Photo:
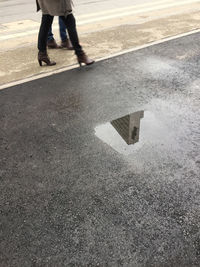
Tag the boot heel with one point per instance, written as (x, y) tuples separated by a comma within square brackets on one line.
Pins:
[(80, 63), (83, 58), (43, 57)]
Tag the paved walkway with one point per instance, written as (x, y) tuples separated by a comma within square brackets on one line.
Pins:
[(67, 198)]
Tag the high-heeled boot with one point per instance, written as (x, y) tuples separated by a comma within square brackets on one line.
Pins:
[(83, 58), (43, 57)]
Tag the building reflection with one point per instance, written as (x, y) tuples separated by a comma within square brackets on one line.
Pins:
[(128, 127)]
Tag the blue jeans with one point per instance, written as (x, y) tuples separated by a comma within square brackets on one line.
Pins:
[(62, 29)]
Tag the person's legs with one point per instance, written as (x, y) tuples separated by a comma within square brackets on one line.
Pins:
[(50, 35), (65, 41), (70, 23), (42, 40), (62, 28), (43, 32), (71, 28), (51, 42)]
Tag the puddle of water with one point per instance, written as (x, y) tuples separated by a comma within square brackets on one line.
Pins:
[(128, 127), (130, 133)]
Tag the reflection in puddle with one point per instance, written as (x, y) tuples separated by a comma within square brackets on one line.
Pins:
[(128, 127), (129, 133)]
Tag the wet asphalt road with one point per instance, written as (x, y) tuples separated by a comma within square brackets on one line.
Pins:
[(69, 199)]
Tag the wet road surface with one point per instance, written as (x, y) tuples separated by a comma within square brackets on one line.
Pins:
[(68, 197)]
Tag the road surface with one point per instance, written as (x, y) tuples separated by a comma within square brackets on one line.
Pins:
[(68, 198)]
